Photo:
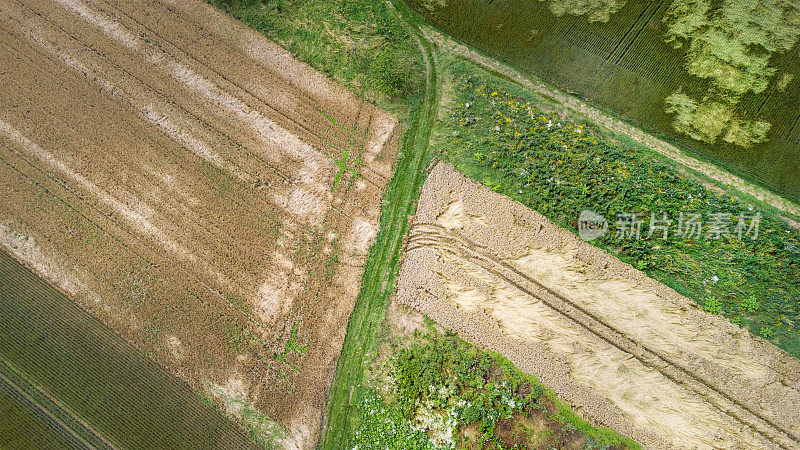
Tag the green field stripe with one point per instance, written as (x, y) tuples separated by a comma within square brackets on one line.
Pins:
[(92, 373), (382, 264), (48, 408)]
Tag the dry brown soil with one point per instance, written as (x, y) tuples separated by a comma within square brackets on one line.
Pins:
[(174, 172), (626, 351)]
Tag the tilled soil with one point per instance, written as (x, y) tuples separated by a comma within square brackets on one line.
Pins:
[(177, 174), (626, 351)]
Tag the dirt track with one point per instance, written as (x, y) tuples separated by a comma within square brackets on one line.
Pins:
[(175, 173), (628, 352)]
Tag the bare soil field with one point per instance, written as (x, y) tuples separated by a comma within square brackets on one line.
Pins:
[(625, 351), (191, 184)]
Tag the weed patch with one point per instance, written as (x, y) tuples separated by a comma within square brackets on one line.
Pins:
[(445, 393), (503, 137)]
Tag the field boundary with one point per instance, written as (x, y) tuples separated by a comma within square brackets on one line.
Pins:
[(615, 125), (382, 265)]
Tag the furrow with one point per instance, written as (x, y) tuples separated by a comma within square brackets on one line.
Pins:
[(427, 235)]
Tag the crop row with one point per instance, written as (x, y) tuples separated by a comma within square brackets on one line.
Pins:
[(108, 383)]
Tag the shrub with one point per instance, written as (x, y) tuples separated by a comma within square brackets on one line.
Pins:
[(391, 74), (712, 305), (418, 368), (383, 427), (751, 304)]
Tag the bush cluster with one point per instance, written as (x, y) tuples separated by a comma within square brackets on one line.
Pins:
[(441, 384)]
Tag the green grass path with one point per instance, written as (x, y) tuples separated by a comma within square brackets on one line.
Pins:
[(382, 264)]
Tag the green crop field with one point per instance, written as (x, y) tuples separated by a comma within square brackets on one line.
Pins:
[(626, 65), (27, 425), (68, 380)]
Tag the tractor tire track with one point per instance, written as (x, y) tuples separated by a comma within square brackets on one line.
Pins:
[(50, 410), (434, 236)]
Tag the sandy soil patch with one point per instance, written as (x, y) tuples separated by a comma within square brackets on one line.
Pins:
[(626, 351)]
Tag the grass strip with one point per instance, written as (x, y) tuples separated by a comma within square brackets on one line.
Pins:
[(383, 262)]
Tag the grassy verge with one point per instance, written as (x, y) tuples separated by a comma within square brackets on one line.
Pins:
[(517, 144), (383, 262), (361, 44)]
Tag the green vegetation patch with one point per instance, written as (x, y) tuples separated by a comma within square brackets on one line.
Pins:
[(594, 10), (744, 264), (261, 430), (359, 43), (441, 392), (730, 44), (58, 359)]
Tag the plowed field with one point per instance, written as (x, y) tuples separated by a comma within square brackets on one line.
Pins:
[(191, 184), (626, 351)]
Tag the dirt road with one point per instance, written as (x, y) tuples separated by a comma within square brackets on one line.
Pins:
[(628, 352), (190, 183)]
